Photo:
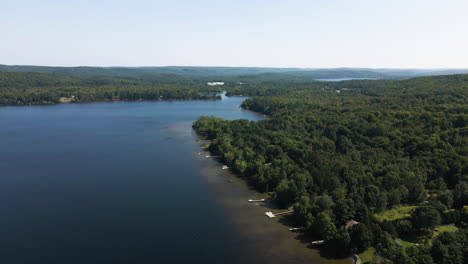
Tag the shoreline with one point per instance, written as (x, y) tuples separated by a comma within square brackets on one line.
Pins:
[(271, 237), (110, 101)]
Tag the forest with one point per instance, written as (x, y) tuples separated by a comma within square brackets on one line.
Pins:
[(377, 168), (25, 88)]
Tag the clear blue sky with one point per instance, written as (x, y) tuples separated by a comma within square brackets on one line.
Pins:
[(286, 33)]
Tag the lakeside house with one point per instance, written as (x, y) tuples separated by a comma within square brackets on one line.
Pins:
[(350, 223)]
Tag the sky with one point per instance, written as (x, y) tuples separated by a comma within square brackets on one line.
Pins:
[(259, 33)]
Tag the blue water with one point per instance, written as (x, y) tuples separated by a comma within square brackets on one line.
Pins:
[(344, 79), (110, 183)]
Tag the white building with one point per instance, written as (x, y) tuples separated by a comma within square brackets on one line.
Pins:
[(215, 83)]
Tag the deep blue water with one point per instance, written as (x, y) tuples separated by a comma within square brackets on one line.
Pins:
[(110, 183)]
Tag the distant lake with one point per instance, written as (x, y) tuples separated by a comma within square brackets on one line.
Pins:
[(124, 182), (344, 79)]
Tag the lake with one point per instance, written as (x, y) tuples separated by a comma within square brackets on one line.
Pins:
[(344, 79), (123, 183)]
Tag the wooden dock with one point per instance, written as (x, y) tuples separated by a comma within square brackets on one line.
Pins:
[(294, 229), (208, 156), (272, 215), (318, 242), (254, 201)]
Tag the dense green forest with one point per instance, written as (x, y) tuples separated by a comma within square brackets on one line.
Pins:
[(389, 154), (24, 85), (23, 88)]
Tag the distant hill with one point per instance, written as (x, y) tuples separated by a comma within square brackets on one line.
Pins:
[(139, 72), (234, 73)]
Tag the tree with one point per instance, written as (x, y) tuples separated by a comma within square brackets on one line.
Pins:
[(419, 255), (448, 248), (372, 196), (325, 202), (416, 191), (339, 243), (381, 204), (283, 193), (327, 228), (446, 198), (302, 209), (425, 217), (360, 238), (344, 211), (460, 194), (240, 166)]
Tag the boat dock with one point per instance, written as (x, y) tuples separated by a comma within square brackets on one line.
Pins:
[(272, 215), (254, 201), (318, 242), (294, 229)]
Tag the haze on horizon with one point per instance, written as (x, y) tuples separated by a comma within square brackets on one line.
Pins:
[(257, 33)]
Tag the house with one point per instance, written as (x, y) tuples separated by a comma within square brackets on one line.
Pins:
[(350, 223)]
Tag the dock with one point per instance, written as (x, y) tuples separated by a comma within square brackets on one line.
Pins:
[(318, 242), (272, 215), (294, 229), (254, 201), (208, 156)]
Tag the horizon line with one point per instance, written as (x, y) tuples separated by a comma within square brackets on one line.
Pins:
[(198, 66)]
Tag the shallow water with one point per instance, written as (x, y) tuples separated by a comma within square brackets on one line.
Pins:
[(123, 183)]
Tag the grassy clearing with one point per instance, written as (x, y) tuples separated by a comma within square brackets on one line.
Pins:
[(405, 243), (395, 213), (441, 229), (368, 255), (423, 237)]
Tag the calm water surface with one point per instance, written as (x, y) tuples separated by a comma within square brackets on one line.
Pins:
[(124, 183), (345, 79), (111, 183)]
